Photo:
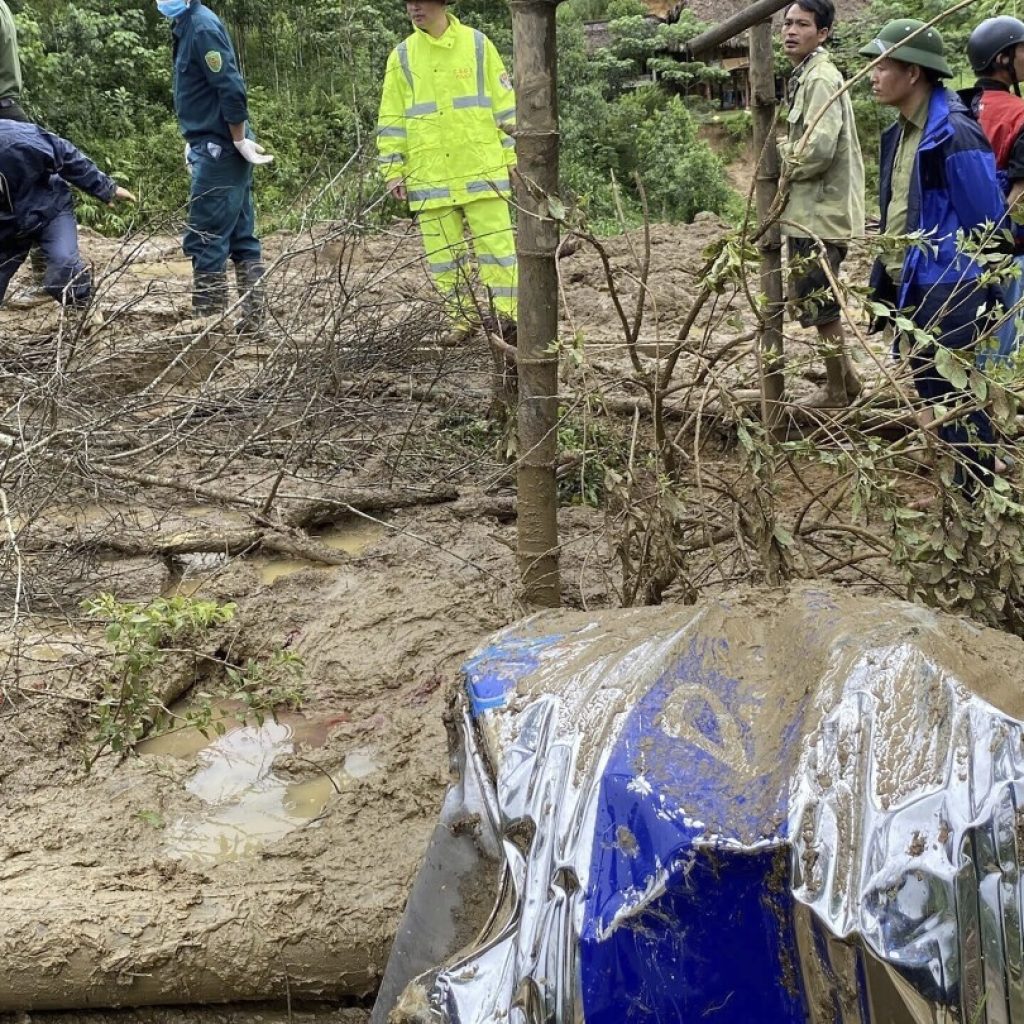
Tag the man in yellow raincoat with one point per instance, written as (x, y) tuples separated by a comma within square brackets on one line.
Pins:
[(445, 147)]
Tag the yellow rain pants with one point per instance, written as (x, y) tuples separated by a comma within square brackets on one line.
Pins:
[(446, 113), (489, 227)]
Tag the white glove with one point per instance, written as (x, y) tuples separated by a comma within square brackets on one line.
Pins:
[(253, 152), (188, 166)]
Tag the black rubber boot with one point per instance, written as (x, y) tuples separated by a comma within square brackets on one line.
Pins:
[(209, 293), (249, 279)]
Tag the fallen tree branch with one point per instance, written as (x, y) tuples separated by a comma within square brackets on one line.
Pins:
[(165, 544)]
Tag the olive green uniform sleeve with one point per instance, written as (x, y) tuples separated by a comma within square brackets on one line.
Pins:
[(10, 67), (807, 158)]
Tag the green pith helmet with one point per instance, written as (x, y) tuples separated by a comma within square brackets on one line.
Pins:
[(925, 50)]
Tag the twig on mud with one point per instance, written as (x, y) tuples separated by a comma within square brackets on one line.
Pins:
[(12, 540), (323, 771)]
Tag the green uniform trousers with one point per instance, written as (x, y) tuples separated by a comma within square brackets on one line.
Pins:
[(488, 224)]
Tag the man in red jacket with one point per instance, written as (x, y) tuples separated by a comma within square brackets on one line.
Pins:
[(996, 53)]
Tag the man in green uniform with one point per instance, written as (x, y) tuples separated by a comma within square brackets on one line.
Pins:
[(937, 176), (825, 171), (211, 102)]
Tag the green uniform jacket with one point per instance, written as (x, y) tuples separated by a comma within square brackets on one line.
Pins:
[(442, 110), (10, 68), (826, 173)]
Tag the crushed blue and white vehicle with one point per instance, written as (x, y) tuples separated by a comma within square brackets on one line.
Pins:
[(774, 806)]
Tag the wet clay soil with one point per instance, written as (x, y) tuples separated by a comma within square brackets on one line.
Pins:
[(119, 884)]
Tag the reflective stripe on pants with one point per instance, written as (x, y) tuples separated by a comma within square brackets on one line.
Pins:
[(488, 224)]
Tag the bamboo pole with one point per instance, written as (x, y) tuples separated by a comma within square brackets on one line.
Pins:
[(537, 141), (766, 151)]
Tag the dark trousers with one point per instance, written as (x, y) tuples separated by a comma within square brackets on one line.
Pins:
[(971, 436), (67, 279), (221, 213), (11, 110)]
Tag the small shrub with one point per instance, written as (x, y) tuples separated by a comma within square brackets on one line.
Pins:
[(138, 637)]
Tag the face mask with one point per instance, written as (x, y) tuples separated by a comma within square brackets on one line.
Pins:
[(171, 8)]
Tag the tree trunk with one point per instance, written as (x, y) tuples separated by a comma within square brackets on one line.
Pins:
[(732, 26), (533, 34), (762, 85)]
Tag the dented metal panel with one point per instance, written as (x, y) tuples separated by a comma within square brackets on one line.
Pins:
[(780, 806)]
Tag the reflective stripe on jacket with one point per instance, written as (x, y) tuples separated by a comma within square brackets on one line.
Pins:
[(826, 172), (34, 168), (953, 190), (442, 112)]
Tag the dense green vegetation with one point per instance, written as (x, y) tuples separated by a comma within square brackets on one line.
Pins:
[(98, 72)]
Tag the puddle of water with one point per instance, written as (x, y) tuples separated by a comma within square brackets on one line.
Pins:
[(198, 568), (185, 742), (274, 569), (248, 804), (182, 588), (353, 536), (168, 268)]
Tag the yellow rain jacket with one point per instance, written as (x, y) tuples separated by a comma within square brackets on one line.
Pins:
[(441, 116)]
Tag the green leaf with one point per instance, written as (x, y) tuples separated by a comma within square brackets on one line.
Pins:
[(556, 208), (948, 366), (782, 535)]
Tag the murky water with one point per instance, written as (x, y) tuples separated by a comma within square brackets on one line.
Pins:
[(167, 268), (352, 536), (249, 804)]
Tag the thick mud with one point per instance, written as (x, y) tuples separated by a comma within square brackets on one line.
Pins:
[(250, 1013), (273, 862)]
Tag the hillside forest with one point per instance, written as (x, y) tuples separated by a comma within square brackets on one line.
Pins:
[(98, 72)]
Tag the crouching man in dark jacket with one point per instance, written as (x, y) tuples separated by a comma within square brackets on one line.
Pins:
[(937, 175), (36, 207)]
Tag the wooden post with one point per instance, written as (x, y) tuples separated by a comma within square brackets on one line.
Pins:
[(733, 26), (766, 152), (537, 139)]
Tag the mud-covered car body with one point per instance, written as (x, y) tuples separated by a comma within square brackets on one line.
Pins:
[(773, 807)]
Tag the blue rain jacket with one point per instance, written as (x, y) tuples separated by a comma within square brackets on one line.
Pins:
[(209, 92), (35, 168), (953, 188)]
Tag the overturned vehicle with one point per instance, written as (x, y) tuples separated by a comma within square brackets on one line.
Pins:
[(771, 807)]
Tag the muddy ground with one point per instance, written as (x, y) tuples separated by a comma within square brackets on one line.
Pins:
[(171, 876)]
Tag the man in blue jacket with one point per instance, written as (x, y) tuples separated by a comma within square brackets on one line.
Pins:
[(36, 207), (937, 175), (210, 101)]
